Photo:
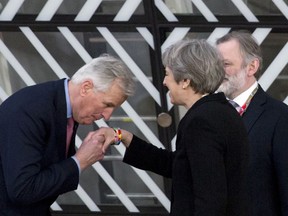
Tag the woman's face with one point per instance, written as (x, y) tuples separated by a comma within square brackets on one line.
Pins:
[(175, 89)]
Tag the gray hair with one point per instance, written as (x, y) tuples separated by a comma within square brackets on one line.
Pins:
[(249, 48), (103, 71), (197, 61)]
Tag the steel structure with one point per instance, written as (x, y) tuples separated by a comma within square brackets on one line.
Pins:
[(137, 32)]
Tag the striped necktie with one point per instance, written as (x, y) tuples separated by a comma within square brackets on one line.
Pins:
[(239, 109)]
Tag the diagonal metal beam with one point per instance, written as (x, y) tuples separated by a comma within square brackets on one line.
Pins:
[(49, 9), (286, 100), (3, 94), (217, 33), (10, 10), (88, 10), (15, 64), (146, 34), (56, 207), (260, 34), (176, 34), (165, 11), (274, 68), (149, 182), (130, 63), (209, 16), (242, 7), (127, 10), (43, 52), (282, 6)]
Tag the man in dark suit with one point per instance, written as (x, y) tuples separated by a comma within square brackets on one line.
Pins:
[(266, 121), (36, 163)]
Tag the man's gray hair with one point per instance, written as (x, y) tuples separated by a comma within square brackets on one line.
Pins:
[(197, 61), (249, 48), (103, 71)]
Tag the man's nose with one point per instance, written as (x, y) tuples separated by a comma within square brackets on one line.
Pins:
[(107, 113)]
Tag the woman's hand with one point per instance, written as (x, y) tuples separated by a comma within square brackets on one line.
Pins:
[(111, 135)]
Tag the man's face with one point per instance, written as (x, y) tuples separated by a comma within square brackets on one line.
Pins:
[(236, 75), (96, 105)]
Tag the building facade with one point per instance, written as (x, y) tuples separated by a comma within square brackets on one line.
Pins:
[(50, 39)]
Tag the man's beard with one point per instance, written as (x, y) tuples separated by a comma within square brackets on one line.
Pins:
[(232, 84)]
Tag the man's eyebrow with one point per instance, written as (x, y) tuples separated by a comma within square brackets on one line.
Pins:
[(110, 104)]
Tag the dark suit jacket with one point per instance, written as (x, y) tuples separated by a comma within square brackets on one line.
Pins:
[(33, 166), (266, 121), (208, 168)]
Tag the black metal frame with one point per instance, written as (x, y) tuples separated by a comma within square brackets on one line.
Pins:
[(155, 21), (159, 27)]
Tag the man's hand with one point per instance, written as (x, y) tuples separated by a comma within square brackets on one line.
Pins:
[(91, 150), (110, 134)]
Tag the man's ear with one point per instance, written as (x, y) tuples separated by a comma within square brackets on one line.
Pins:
[(86, 87), (253, 67)]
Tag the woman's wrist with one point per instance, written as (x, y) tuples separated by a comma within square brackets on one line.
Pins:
[(126, 138), (121, 135)]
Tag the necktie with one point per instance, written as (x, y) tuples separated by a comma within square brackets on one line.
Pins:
[(242, 109), (70, 124), (239, 109)]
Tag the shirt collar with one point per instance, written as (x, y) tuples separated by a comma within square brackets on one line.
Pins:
[(242, 98), (69, 108)]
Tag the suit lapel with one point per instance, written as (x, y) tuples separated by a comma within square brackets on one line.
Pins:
[(255, 109), (60, 118)]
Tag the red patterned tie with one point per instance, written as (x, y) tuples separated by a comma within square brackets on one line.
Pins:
[(70, 124), (239, 109), (242, 109)]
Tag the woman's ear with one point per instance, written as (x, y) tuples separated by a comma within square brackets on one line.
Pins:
[(186, 83)]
